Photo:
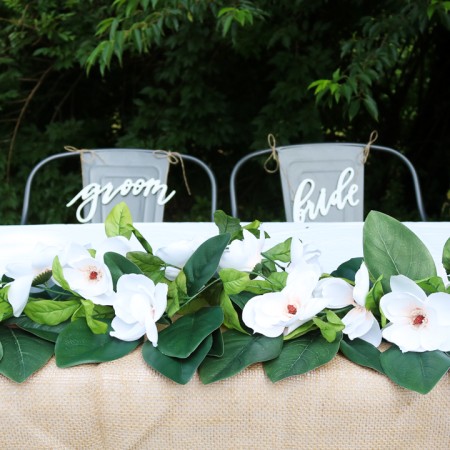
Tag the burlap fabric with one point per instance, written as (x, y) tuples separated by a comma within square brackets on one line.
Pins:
[(126, 405)]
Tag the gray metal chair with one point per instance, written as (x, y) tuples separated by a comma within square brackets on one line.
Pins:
[(109, 175), (323, 182)]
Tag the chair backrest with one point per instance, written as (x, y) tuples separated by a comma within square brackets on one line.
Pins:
[(109, 175), (323, 182)]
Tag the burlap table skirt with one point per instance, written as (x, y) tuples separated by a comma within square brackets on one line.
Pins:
[(127, 405)]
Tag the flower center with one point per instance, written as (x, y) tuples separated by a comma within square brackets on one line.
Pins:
[(93, 275), (418, 318), (291, 309)]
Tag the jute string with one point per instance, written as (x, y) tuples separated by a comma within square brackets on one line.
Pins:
[(372, 138), (273, 155), (174, 158)]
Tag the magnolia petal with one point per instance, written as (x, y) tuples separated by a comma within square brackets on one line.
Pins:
[(116, 244), (125, 331), (397, 306), (177, 253), (406, 337), (440, 302), (357, 322), (18, 293), (373, 336), (432, 337), (337, 292), (400, 283), (160, 300), (362, 285), (151, 331)]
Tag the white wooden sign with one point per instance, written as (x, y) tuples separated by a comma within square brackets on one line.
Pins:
[(344, 194), (91, 194)]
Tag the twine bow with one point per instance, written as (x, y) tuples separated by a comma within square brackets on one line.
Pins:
[(174, 158), (273, 155), (372, 138)]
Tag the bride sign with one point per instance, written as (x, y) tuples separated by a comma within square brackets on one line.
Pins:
[(93, 192), (344, 195)]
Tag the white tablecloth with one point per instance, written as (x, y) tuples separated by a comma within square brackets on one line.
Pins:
[(337, 242)]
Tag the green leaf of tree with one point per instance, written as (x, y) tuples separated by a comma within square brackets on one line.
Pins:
[(23, 353), (202, 265), (390, 248), (49, 333), (417, 371), (240, 351), (180, 370), (180, 339), (77, 345), (446, 256), (301, 356)]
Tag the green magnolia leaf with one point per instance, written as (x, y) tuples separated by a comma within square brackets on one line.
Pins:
[(374, 296), (432, 284), (301, 355), (145, 245), (76, 344), (390, 248), (49, 333), (446, 256), (177, 369), (58, 274), (181, 338), (281, 252), (23, 353), (118, 265), (231, 317), (202, 265), (227, 224), (1, 351), (417, 371), (233, 280), (348, 269), (50, 312), (301, 330), (119, 221), (217, 347), (88, 310), (149, 264), (362, 353), (240, 351)]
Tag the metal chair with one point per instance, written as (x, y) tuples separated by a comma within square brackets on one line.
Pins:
[(324, 182), (109, 175)]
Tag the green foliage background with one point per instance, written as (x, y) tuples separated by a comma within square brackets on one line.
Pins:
[(213, 79)]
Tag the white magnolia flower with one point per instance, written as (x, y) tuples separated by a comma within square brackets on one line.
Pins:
[(417, 323), (139, 304), (277, 313), (359, 322), (24, 272), (303, 257), (89, 276), (243, 255), (177, 254)]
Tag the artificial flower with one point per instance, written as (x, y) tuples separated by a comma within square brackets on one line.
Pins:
[(24, 272), (277, 313), (176, 254), (417, 323), (139, 304), (303, 257), (359, 322), (243, 255)]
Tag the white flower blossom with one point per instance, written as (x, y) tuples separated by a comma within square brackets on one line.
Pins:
[(139, 304), (359, 322), (24, 272), (243, 255), (277, 313), (176, 254), (417, 323)]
